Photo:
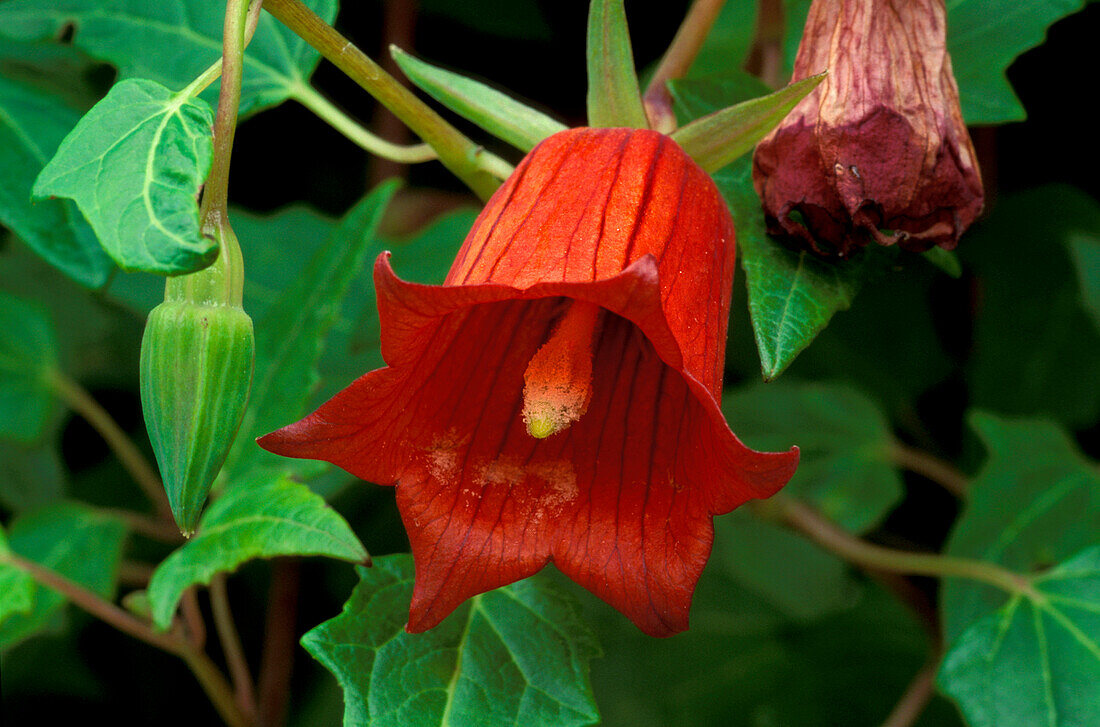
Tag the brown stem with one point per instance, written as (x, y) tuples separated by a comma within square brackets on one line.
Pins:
[(766, 55), (398, 28), (927, 465), (231, 646), (160, 530), (917, 695), (79, 400), (212, 681), (280, 641), (134, 574), (192, 618), (676, 62), (458, 154)]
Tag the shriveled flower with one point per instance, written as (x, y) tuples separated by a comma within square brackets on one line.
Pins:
[(556, 399), (879, 150)]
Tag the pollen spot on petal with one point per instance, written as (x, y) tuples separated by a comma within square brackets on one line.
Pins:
[(505, 470), (558, 381)]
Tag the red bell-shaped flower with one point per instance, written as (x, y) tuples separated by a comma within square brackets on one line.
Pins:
[(556, 399)]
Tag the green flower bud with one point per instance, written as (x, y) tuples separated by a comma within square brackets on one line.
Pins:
[(196, 371)]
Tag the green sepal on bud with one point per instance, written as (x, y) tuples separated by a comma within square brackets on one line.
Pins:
[(196, 371)]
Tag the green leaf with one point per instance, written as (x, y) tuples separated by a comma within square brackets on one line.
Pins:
[(501, 115), (16, 587), (172, 41), (728, 43), (1035, 662), (792, 293), (514, 656), (742, 664), (73, 540), (613, 95), (845, 468), (1085, 249), (720, 137), (945, 260), (795, 577), (134, 165), (60, 71), (1035, 502), (1036, 350), (291, 336), (983, 38), (28, 354), (32, 124), (265, 516), (30, 476)]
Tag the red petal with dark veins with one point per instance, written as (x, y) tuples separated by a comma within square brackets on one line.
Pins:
[(621, 500)]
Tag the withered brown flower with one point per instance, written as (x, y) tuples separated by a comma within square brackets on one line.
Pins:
[(879, 150)]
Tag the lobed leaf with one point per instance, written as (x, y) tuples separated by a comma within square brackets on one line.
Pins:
[(514, 656), (1034, 662), (1035, 502), (1085, 250), (61, 537), (172, 41), (845, 468), (265, 516), (32, 124), (134, 165), (501, 115), (614, 98), (1035, 348), (291, 335), (28, 354)]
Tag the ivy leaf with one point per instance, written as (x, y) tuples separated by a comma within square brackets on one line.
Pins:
[(1085, 249), (32, 124), (845, 468), (792, 293), (291, 336), (983, 38), (1035, 502), (614, 98), (30, 476), (1035, 662), (172, 41), (1030, 329), (795, 577), (134, 165), (514, 656), (265, 516), (62, 537), (728, 43), (498, 113), (28, 354), (16, 587)]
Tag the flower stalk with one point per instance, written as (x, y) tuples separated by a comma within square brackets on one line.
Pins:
[(458, 153)]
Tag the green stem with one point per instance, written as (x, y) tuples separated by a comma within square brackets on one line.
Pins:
[(827, 534), (212, 680), (456, 152), (362, 138), (676, 62), (79, 400), (231, 646), (939, 471), (214, 71), (215, 191)]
